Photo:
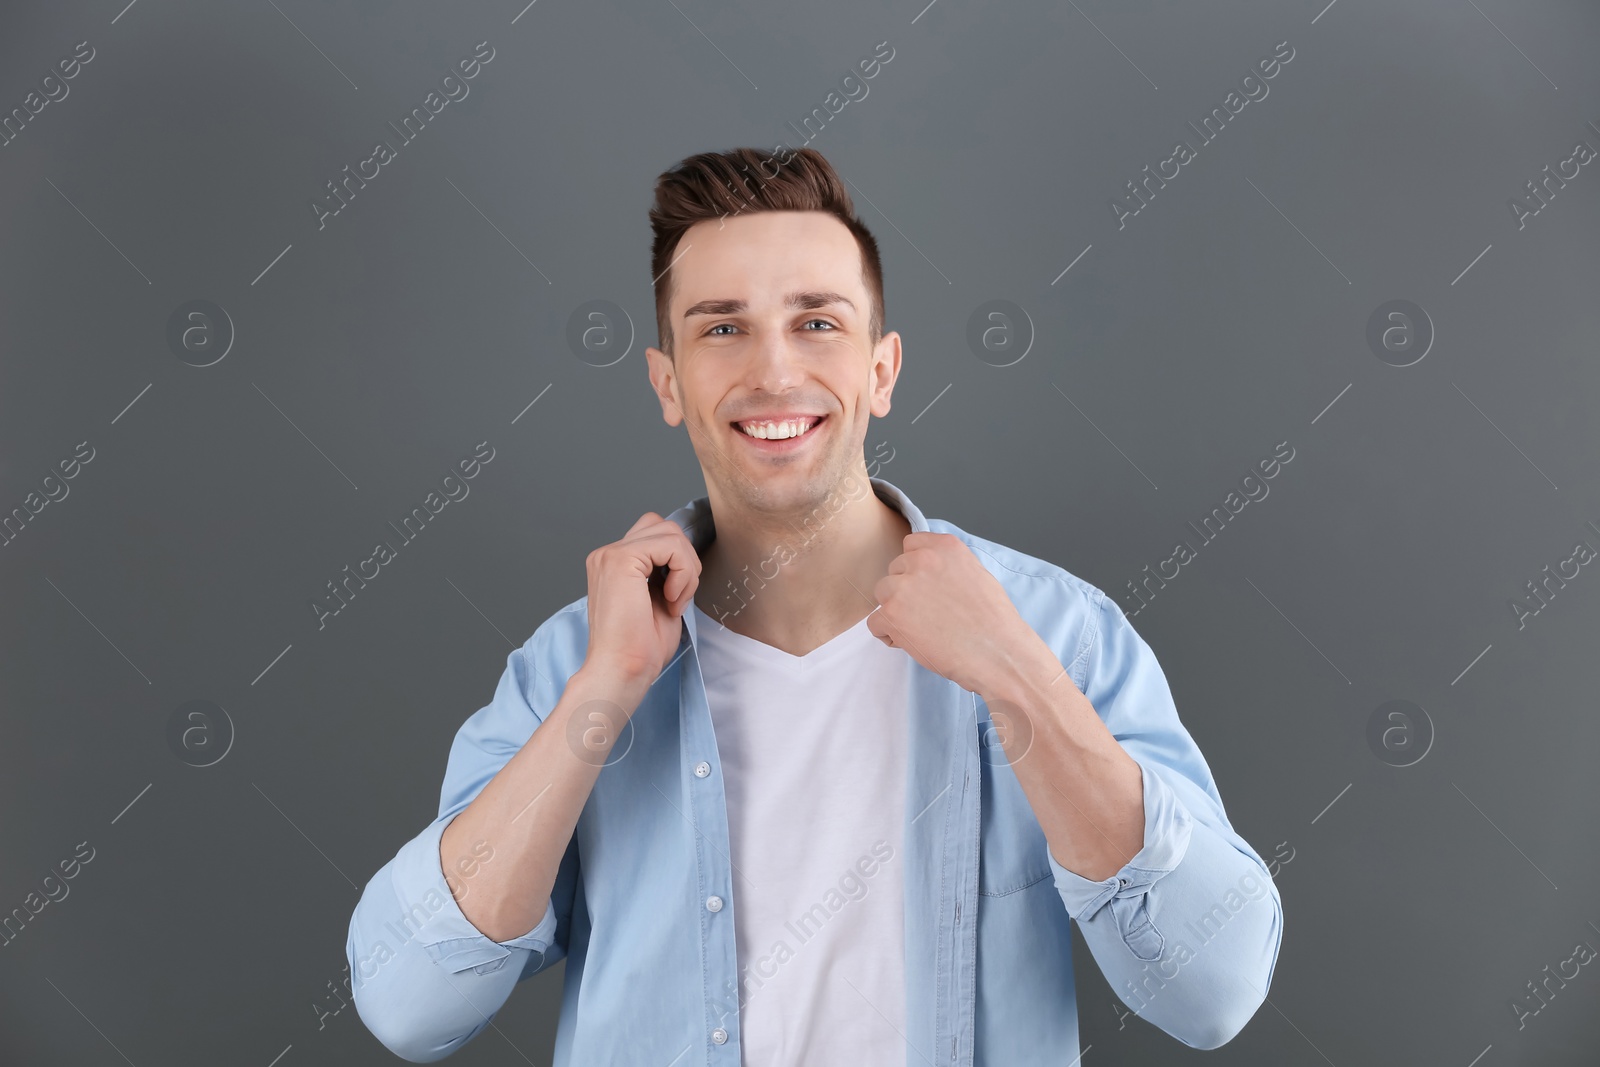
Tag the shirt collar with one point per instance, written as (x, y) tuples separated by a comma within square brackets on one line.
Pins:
[(695, 516), (695, 519)]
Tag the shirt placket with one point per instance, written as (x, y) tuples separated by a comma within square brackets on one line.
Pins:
[(700, 773)]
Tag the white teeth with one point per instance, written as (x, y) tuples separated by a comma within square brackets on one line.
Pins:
[(777, 431)]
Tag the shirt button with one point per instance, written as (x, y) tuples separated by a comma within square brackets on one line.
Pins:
[(1122, 882), (719, 1035), (702, 769), (713, 903)]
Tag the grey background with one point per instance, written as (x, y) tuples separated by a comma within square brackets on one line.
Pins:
[(1227, 316)]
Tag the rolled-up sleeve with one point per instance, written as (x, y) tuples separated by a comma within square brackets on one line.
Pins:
[(425, 980), (1187, 932)]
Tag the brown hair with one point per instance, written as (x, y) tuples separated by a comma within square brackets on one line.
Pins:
[(703, 187)]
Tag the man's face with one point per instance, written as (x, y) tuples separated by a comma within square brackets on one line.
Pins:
[(770, 320)]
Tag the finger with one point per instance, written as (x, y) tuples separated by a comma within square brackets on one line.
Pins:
[(875, 623), (663, 543), (671, 549), (690, 581), (674, 588), (649, 518)]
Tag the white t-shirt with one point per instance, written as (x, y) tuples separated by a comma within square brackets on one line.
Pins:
[(813, 753)]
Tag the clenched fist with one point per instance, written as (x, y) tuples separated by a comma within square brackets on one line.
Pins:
[(636, 614)]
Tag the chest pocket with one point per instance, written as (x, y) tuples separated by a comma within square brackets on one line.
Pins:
[(1012, 848)]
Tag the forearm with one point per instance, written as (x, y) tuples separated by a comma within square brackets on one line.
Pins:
[(1177, 908), (1084, 788), (527, 812)]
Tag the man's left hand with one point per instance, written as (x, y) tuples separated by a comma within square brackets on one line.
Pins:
[(944, 609)]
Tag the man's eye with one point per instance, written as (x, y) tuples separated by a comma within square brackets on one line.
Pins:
[(713, 331)]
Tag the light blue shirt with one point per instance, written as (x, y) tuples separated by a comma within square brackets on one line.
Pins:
[(1187, 933)]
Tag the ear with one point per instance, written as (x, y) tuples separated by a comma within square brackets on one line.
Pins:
[(663, 379), (883, 372)]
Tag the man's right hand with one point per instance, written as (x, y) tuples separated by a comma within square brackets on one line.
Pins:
[(635, 623), (636, 618)]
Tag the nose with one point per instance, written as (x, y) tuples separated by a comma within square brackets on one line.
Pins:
[(775, 366)]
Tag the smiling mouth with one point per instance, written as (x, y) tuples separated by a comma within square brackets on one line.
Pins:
[(779, 431)]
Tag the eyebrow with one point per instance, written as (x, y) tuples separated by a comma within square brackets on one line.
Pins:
[(807, 300)]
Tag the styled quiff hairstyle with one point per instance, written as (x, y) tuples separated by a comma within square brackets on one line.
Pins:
[(711, 185)]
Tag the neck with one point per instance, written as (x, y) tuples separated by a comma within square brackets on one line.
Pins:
[(796, 579)]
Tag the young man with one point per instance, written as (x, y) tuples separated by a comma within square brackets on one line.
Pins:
[(807, 777)]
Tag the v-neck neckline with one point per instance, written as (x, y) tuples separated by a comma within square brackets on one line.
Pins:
[(829, 649)]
